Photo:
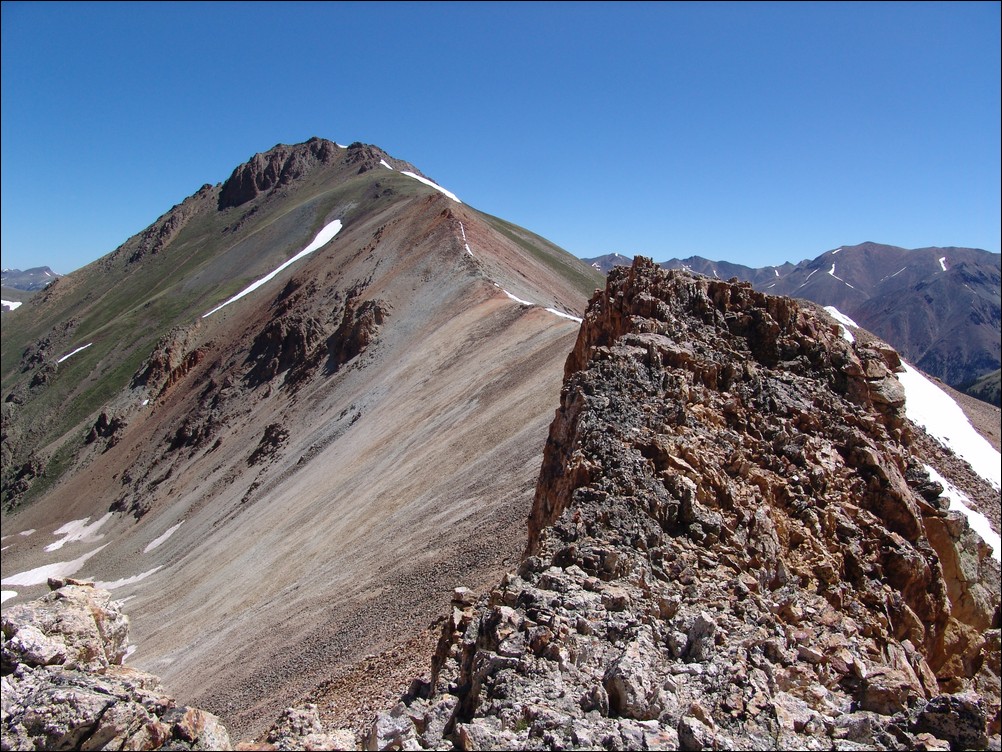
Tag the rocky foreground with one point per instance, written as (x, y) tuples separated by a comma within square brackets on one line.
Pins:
[(65, 686), (734, 544)]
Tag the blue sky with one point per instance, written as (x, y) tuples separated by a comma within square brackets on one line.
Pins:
[(754, 133)]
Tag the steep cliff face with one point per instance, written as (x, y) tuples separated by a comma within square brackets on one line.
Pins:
[(733, 545)]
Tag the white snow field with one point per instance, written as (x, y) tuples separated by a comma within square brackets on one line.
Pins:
[(930, 407), (158, 541), (40, 575), (78, 530), (844, 321), (978, 522)]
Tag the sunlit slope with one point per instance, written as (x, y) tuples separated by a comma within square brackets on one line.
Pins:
[(318, 462), (190, 260)]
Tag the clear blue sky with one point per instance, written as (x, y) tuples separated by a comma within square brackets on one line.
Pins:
[(755, 133)]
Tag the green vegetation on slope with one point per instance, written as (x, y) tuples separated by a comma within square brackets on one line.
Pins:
[(987, 388)]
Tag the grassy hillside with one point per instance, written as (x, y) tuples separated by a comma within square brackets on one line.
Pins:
[(987, 388)]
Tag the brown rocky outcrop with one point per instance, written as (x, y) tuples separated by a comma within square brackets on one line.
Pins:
[(732, 546), (359, 326), (277, 167), (65, 687), (172, 358)]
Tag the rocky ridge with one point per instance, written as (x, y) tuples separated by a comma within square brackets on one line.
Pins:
[(734, 544)]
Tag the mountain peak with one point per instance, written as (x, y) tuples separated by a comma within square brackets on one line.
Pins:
[(284, 164), (278, 166)]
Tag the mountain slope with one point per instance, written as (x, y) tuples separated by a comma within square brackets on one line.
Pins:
[(298, 480)]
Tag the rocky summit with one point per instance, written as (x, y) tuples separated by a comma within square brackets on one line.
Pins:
[(734, 544)]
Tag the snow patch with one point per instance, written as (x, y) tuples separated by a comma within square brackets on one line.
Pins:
[(832, 273), (27, 532), (517, 300), (428, 182), (565, 315), (942, 263), (10, 305), (6, 595), (40, 575), (71, 354), (529, 303), (895, 273), (840, 317), (125, 580), (959, 501), (465, 244), (323, 238), (77, 530), (385, 164), (145, 402), (836, 251), (776, 272), (158, 541), (929, 406), (843, 322), (129, 650)]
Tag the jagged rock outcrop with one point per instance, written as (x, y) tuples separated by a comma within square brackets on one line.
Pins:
[(172, 358), (732, 546), (106, 428), (279, 166), (300, 728), (65, 687), (359, 326)]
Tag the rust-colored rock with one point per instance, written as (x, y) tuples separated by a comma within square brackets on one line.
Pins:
[(733, 545)]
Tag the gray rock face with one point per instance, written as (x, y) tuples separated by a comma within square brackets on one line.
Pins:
[(728, 550), (64, 685)]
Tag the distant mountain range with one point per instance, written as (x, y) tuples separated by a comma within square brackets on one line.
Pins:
[(18, 286), (29, 280), (938, 306)]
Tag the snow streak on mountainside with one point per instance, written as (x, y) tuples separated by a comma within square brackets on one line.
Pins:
[(323, 238)]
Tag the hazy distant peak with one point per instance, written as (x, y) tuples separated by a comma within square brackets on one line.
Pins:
[(35, 278)]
